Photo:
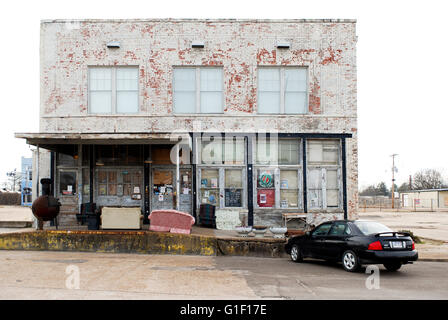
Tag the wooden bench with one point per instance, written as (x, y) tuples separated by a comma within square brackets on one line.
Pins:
[(171, 221)]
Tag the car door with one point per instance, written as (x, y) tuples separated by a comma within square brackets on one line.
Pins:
[(316, 241), (336, 240)]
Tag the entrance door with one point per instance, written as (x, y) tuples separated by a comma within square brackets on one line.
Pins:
[(163, 189)]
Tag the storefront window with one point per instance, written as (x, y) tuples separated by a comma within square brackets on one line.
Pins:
[(210, 186), (323, 152), (288, 152), (234, 150), (211, 152), (266, 152), (233, 188), (67, 182), (265, 188), (289, 189), (324, 179), (332, 188)]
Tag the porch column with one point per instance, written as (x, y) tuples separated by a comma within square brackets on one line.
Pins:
[(177, 178)]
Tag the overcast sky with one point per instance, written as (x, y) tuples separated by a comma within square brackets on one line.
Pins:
[(402, 70)]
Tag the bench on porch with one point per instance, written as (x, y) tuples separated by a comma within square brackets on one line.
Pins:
[(121, 218), (171, 221)]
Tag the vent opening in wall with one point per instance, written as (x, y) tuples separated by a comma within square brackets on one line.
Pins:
[(113, 44), (283, 45), (198, 44)]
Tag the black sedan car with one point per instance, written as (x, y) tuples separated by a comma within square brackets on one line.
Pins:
[(354, 243)]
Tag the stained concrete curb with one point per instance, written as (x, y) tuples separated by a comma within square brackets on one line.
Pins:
[(141, 242)]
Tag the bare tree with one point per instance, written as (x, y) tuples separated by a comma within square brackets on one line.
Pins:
[(427, 179)]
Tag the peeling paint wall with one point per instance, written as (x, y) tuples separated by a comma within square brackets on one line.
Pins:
[(326, 47)]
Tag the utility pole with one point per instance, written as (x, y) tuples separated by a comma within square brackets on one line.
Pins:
[(393, 179)]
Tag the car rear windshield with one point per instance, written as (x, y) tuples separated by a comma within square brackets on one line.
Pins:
[(371, 227)]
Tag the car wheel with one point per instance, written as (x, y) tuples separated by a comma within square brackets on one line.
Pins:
[(393, 266), (350, 261), (296, 254)]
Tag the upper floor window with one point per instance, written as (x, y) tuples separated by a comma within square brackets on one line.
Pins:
[(198, 90), (113, 90), (282, 90)]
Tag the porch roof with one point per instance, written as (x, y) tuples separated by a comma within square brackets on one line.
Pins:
[(47, 139)]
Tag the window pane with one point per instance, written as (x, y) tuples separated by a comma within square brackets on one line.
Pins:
[(332, 198), (127, 79), (269, 90), (234, 150), (100, 101), (332, 179), (184, 102), (210, 186), (127, 101), (269, 79), (211, 102), (315, 179), (288, 179), (212, 151), (209, 178), (211, 79), (233, 178), (295, 102), (67, 184), (266, 151), (289, 199), (184, 90), (288, 152), (100, 79), (269, 102), (323, 152), (184, 79), (315, 188), (295, 79)]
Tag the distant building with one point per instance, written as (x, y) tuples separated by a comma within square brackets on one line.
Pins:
[(27, 180), (430, 198)]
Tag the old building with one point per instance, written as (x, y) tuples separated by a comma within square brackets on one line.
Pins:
[(258, 115)]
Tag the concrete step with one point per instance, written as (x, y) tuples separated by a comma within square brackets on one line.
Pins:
[(16, 224)]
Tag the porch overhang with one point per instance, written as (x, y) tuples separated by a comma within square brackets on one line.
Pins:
[(51, 140)]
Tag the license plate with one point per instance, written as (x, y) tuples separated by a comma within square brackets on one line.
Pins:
[(396, 244)]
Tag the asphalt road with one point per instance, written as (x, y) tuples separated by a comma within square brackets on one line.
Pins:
[(54, 275)]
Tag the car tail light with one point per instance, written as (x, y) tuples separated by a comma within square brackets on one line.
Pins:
[(413, 245), (375, 246)]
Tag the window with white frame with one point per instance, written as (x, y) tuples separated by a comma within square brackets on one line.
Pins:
[(113, 90), (282, 90), (222, 171), (198, 90), (278, 173), (323, 174)]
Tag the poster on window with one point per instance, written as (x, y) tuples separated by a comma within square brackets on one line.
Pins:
[(266, 179), (266, 198)]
